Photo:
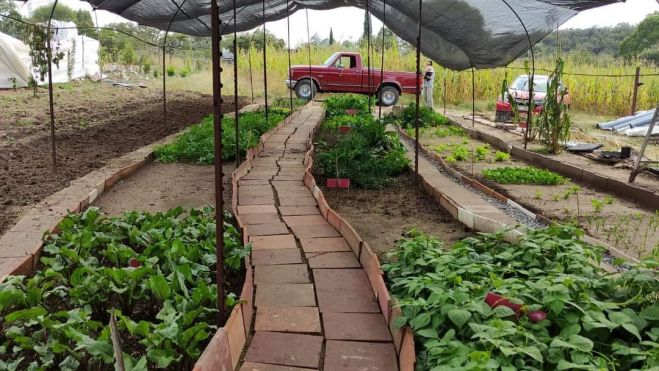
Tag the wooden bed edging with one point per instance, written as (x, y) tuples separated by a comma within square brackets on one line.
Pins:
[(403, 337), (644, 197), (482, 224)]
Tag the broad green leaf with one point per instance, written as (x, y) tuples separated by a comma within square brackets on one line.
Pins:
[(69, 363), (581, 343), (619, 318), (426, 332), (532, 352), (420, 321), (651, 313), (565, 365), (459, 316), (159, 287), (632, 329), (23, 314)]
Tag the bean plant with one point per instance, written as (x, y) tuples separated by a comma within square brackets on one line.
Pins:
[(594, 320), (155, 272)]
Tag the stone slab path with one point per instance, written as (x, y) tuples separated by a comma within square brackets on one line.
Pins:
[(315, 309)]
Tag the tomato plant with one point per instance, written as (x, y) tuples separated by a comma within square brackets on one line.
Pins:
[(594, 320), (154, 271)]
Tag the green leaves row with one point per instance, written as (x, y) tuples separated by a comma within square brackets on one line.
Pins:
[(595, 321), (196, 144), (523, 175), (156, 271)]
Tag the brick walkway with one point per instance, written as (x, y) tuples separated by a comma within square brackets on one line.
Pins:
[(315, 309)]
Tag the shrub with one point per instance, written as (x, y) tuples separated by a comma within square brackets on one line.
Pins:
[(460, 153), (501, 156), (594, 320), (523, 175), (407, 117), (482, 151), (171, 71), (197, 144), (146, 68), (336, 105), (155, 272), (184, 71), (368, 155)]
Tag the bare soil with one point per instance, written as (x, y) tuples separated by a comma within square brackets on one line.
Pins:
[(160, 187), (622, 223), (381, 217), (95, 123)]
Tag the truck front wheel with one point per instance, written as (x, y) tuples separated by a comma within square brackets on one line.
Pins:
[(305, 89), (388, 96)]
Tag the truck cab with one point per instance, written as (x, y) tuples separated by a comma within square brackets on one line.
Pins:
[(343, 72)]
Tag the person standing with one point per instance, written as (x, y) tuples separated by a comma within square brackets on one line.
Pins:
[(428, 83)]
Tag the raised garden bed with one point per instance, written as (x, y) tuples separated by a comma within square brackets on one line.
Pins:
[(593, 320)]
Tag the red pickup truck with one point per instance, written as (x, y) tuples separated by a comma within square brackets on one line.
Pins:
[(343, 72)]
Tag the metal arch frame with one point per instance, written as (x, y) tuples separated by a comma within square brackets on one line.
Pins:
[(51, 103), (265, 70), (368, 53), (529, 113), (417, 119), (235, 86), (311, 82), (288, 46)]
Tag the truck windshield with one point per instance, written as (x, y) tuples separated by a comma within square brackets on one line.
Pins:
[(329, 60), (539, 83)]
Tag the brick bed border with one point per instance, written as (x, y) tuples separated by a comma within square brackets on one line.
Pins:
[(483, 224)]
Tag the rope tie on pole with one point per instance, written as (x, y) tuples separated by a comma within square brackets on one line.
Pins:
[(368, 53)]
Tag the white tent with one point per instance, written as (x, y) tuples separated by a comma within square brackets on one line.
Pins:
[(14, 62), (80, 58)]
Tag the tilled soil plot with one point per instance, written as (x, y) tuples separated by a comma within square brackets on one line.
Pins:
[(93, 127), (381, 217)]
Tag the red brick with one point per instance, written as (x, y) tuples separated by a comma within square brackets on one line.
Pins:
[(287, 273), (356, 326), (285, 349), (396, 332), (288, 319), (217, 355), (304, 220), (251, 366), (246, 200), (253, 219), (354, 355), (334, 219), (327, 260), (344, 290), (407, 356), (277, 228), (289, 294), (324, 244), (276, 257), (311, 231), (298, 210), (235, 334), (306, 200), (286, 241), (354, 241), (15, 266), (247, 296), (257, 209)]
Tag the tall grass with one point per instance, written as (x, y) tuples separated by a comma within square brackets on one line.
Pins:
[(590, 94)]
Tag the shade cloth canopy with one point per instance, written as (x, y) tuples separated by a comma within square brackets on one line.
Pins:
[(458, 34)]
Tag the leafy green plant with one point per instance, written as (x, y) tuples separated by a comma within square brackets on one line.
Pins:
[(407, 117), (171, 71), (184, 71), (460, 152), (501, 156), (523, 175), (336, 105), (196, 144), (482, 151), (446, 131), (154, 271), (367, 154), (593, 320), (538, 194)]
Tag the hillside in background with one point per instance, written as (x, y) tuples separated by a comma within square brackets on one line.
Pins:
[(594, 40)]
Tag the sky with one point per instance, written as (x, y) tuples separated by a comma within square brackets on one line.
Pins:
[(347, 23)]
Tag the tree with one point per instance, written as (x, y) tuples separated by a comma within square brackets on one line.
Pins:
[(367, 25), (331, 37), (644, 38), (9, 26), (81, 18)]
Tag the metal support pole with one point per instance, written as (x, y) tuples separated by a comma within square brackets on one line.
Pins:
[(444, 93), (306, 10), (164, 83), (368, 54), (529, 114), (219, 191), (288, 32), (235, 83), (249, 58), (265, 70), (51, 103), (637, 83), (98, 34), (418, 95), (473, 98), (384, 19)]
